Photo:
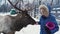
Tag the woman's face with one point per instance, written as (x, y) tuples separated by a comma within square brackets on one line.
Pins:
[(44, 12)]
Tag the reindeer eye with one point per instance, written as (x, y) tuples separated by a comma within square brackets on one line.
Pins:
[(25, 16), (20, 15)]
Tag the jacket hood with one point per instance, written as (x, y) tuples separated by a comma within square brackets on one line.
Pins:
[(47, 7)]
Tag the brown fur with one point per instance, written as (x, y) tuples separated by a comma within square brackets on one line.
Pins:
[(20, 21)]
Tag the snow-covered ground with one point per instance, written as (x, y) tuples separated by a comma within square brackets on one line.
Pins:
[(8, 13), (32, 29)]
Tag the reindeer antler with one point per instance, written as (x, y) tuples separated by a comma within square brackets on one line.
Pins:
[(15, 5), (26, 8), (29, 6)]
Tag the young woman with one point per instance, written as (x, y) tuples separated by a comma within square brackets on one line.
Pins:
[(47, 21)]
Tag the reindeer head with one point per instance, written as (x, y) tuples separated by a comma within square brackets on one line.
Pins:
[(22, 18)]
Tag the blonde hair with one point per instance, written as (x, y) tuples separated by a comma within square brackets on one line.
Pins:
[(44, 7)]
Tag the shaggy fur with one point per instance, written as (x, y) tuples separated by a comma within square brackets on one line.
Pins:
[(10, 24), (5, 23)]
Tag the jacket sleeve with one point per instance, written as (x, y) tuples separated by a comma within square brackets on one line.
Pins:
[(56, 25), (40, 21)]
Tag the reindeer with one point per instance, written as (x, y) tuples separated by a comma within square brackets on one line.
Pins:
[(11, 24)]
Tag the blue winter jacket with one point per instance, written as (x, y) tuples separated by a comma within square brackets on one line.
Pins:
[(44, 20)]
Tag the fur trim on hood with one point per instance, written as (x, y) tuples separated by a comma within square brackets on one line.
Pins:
[(47, 7)]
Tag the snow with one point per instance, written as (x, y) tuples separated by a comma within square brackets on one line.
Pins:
[(32, 29), (8, 13)]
